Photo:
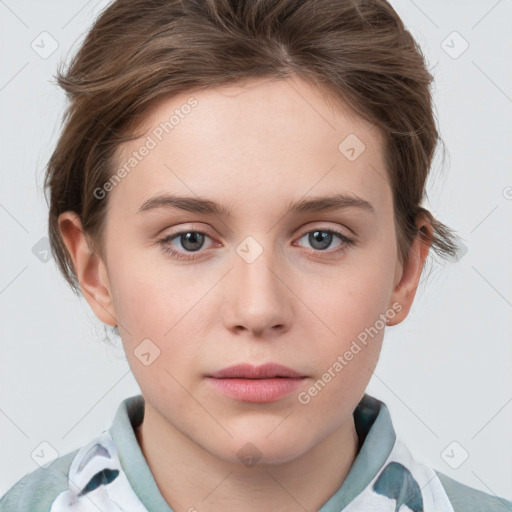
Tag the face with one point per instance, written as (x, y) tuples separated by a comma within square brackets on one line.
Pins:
[(260, 279)]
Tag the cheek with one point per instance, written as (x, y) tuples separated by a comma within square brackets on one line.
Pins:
[(353, 297), (163, 306), (345, 370), (352, 308), (144, 300), (348, 344)]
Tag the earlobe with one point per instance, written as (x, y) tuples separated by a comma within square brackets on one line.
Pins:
[(405, 290), (89, 268)]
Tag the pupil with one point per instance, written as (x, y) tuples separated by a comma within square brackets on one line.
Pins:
[(192, 241), (317, 237)]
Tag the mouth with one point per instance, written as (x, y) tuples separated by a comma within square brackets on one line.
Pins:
[(248, 371), (258, 384)]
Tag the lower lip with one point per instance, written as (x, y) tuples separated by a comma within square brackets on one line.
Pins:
[(256, 390)]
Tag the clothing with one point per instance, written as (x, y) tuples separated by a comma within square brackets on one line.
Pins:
[(111, 474)]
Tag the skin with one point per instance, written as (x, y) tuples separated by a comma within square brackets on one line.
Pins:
[(255, 147)]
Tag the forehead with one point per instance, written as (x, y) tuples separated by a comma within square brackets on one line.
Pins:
[(257, 135), (259, 107)]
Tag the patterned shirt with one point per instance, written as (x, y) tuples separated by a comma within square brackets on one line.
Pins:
[(111, 474)]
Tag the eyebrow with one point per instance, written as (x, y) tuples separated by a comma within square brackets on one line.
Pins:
[(206, 206)]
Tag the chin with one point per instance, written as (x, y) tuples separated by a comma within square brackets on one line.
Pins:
[(261, 450)]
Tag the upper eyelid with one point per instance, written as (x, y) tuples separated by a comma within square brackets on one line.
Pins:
[(326, 228)]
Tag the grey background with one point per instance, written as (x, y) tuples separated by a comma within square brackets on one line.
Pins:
[(444, 373)]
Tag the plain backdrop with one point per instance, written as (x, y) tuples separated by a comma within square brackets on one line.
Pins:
[(445, 373)]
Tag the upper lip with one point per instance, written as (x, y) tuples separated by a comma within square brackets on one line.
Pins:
[(249, 371)]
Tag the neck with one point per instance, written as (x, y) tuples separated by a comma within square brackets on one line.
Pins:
[(189, 477)]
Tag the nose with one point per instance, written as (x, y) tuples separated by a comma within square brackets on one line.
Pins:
[(257, 298)]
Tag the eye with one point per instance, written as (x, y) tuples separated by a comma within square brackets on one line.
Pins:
[(320, 239), (191, 240)]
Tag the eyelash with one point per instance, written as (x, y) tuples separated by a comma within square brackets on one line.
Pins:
[(179, 255)]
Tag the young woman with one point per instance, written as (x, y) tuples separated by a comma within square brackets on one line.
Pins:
[(237, 191)]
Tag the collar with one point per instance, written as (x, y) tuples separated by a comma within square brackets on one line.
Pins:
[(373, 425), (376, 439)]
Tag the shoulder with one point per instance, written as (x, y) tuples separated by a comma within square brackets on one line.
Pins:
[(37, 490), (84, 478), (467, 499)]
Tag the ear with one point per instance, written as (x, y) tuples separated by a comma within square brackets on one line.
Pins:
[(408, 273), (89, 268)]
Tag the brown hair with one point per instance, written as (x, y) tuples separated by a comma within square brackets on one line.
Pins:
[(140, 51)]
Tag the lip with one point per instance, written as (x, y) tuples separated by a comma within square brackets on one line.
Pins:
[(258, 384), (248, 371)]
